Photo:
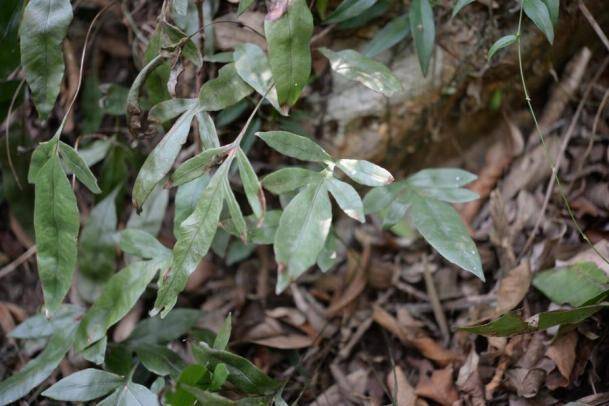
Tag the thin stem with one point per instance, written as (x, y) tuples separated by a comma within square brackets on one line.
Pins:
[(546, 152)]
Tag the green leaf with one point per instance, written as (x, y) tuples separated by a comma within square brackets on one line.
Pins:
[(161, 159), (38, 326), (253, 66), (578, 284), (205, 397), (194, 237), (347, 198), (332, 253), (219, 377), (38, 369), (349, 9), (170, 109), (131, 394), (391, 34), (554, 9), (198, 165), (40, 157), (355, 66), (223, 336), (251, 185), (244, 5), (160, 360), (288, 179), (141, 244), (84, 385), (186, 199), (381, 197), (97, 254), (444, 230), (512, 324), (364, 172), (188, 48), (155, 330), (294, 146), (302, 232), (207, 131), (450, 195), (459, 4), (538, 12), (441, 178), (56, 223), (225, 90), (153, 211), (95, 152), (288, 38), (114, 99), (234, 210), (423, 31), (242, 373), (258, 233), (43, 29), (97, 352), (118, 297), (501, 43)]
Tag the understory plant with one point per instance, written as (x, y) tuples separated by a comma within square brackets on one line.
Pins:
[(220, 201)]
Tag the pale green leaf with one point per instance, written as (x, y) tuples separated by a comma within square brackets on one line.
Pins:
[(131, 394), (141, 244), (223, 336), (450, 195), (391, 34), (554, 9), (348, 9), (459, 4), (160, 360), (501, 43), (78, 167), (355, 66), (423, 31), (251, 185), (538, 12), (176, 36), (443, 229), (302, 232), (441, 178), (578, 284), (95, 152), (347, 198), (170, 109), (253, 66), (198, 165), (258, 233), (381, 197), (288, 179), (332, 253), (84, 385), (40, 157), (38, 326), (207, 131), (186, 199), (97, 352), (194, 237), (234, 210), (242, 373), (97, 254), (118, 297), (289, 50), (38, 369), (152, 214), (56, 223), (205, 397), (42, 31), (224, 91), (219, 376), (161, 159), (155, 330), (364, 172), (294, 146)]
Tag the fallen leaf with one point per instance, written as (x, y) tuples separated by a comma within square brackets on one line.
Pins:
[(513, 287), (469, 382), (527, 382), (439, 387), (562, 352), (286, 342), (402, 393)]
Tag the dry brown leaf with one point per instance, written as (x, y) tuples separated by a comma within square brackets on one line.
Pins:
[(288, 314), (562, 352), (469, 382), (286, 342), (401, 391), (590, 256), (513, 287), (332, 396), (439, 387), (527, 382)]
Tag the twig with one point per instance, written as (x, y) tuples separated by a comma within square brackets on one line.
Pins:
[(8, 131), (599, 31), (435, 303), (17, 262)]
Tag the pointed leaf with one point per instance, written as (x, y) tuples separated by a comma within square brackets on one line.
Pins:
[(56, 223), (233, 208), (444, 230), (450, 195), (118, 297), (84, 385), (381, 197), (288, 40), (423, 31), (38, 369), (78, 167), (43, 29), (364, 172), (170, 109), (441, 178), (186, 199), (223, 336), (38, 326), (97, 352), (391, 34), (349, 9), (161, 159), (152, 214), (194, 238), (207, 131), (251, 184), (253, 66), (355, 66), (294, 146), (131, 394), (302, 232), (288, 179), (347, 198), (197, 165), (40, 157), (501, 43), (141, 244), (225, 90), (160, 360), (155, 330), (538, 12), (554, 9), (459, 4)]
